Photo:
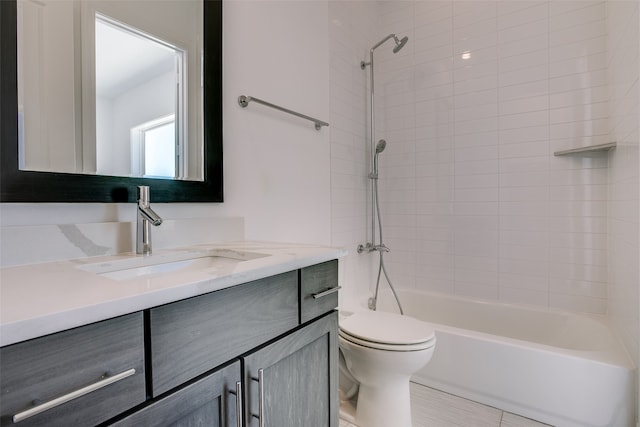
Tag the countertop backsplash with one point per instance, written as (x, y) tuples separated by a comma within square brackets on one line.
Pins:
[(33, 244)]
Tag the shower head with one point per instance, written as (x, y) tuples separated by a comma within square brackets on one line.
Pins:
[(380, 146), (400, 43)]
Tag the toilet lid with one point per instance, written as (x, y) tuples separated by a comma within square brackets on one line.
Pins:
[(386, 328)]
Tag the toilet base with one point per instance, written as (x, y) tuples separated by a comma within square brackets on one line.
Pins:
[(385, 406), (348, 411)]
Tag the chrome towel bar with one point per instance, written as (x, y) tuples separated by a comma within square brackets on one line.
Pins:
[(245, 100)]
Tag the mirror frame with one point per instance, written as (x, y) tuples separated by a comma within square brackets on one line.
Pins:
[(31, 186)]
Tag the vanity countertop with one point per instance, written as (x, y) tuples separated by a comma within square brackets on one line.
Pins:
[(41, 299)]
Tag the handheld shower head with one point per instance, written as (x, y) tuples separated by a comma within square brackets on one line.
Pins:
[(380, 146), (400, 43)]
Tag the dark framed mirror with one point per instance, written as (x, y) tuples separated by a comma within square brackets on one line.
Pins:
[(33, 186)]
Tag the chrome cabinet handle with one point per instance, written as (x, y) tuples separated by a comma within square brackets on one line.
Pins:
[(21, 416), (327, 292), (238, 394), (261, 397), (260, 381)]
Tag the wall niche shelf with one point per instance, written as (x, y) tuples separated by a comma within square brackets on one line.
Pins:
[(588, 149)]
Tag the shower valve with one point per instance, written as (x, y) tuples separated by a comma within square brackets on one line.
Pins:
[(365, 248), (370, 247)]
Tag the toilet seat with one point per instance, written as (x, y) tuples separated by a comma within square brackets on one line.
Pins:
[(387, 347), (386, 331)]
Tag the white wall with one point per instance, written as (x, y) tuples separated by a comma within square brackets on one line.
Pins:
[(279, 164), (276, 166), (116, 117)]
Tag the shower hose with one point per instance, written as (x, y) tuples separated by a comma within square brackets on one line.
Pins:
[(373, 302)]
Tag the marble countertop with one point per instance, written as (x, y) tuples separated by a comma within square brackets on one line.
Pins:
[(41, 299)]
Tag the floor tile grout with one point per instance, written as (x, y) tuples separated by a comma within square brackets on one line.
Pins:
[(432, 407)]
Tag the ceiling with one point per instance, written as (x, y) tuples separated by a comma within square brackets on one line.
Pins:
[(125, 59)]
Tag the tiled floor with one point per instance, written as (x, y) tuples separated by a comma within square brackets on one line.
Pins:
[(433, 408)]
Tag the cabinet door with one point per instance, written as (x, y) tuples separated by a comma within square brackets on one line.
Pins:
[(295, 378), (210, 401)]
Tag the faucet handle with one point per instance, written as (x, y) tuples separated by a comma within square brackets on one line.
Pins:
[(143, 194), (145, 217)]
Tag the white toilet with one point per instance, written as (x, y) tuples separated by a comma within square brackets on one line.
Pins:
[(380, 351)]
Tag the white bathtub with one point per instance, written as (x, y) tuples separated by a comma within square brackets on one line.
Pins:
[(559, 368)]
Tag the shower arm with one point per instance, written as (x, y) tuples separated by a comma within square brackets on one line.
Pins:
[(377, 45)]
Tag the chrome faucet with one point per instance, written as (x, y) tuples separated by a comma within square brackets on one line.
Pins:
[(146, 217)]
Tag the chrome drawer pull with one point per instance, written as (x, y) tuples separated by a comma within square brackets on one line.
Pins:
[(327, 292), (238, 394), (261, 397), (260, 380), (21, 416)]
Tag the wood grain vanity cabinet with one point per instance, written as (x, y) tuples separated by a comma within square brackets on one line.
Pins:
[(190, 337), (293, 381), (207, 401), (263, 354), (40, 374)]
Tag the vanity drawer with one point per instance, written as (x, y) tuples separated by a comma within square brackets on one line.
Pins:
[(84, 375), (318, 290), (193, 336)]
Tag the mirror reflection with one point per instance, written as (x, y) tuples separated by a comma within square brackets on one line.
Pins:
[(110, 87)]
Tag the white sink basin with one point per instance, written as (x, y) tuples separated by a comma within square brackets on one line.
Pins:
[(169, 262)]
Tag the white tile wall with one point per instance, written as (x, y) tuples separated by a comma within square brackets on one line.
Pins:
[(474, 201), (623, 49), (350, 31)]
